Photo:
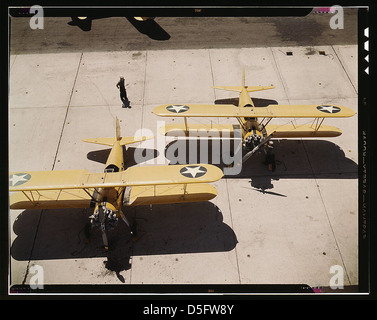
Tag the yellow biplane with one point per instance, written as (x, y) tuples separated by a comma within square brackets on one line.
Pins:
[(116, 187), (254, 122)]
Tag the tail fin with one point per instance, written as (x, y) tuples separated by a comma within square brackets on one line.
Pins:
[(117, 129), (122, 140), (244, 86)]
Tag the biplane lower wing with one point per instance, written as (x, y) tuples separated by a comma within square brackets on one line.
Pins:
[(51, 199), (215, 130), (70, 188), (302, 131), (271, 111), (175, 193), (227, 130)]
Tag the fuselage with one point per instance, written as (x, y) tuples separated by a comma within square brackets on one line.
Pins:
[(112, 198), (250, 125)]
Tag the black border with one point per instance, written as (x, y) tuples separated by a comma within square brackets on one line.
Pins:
[(365, 258)]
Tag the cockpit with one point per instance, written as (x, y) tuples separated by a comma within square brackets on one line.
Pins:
[(111, 168)]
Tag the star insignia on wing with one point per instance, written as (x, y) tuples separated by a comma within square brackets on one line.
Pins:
[(18, 178), (193, 171), (328, 109), (177, 108)]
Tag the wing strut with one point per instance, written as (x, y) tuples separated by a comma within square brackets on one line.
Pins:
[(186, 125), (317, 124), (31, 200)]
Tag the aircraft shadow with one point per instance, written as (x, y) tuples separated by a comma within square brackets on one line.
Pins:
[(295, 159), (258, 102), (149, 27), (101, 156), (162, 229)]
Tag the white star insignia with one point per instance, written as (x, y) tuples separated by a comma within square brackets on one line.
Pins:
[(193, 171), (177, 108), (328, 109), (18, 178)]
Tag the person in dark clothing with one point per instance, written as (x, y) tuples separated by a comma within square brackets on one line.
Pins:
[(123, 93), (270, 157)]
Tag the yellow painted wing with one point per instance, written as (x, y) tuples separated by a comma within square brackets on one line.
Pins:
[(134, 176), (198, 129), (174, 174), (302, 131), (51, 199), (271, 111), (304, 111), (175, 193), (47, 180), (196, 110), (68, 188)]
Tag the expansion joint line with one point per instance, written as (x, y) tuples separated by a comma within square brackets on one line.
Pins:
[(66, 113), (327, 214), (213, 78), (32, 249), (344, 69), (231, 220), (144, 89)]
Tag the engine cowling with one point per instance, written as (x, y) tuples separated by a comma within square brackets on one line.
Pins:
[(104, 214)]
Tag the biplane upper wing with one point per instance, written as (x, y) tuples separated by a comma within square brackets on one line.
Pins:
[(271, 111), (173, 174), (73, 188), (305, 111), (133, 176)]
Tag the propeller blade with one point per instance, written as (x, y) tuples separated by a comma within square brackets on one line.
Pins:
[(101, 214), (263, 142), (104, 237)]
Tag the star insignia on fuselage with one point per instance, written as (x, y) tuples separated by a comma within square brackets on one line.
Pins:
[(18, 178), (177, 108), (328, 109), (193, 171)]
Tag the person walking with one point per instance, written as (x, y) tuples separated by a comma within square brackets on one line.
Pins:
[(123, 94)]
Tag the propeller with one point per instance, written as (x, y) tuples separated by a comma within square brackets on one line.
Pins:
[(102, 219), (263, 142)]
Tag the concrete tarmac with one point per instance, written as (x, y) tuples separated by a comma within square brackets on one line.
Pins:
[(290, 226)]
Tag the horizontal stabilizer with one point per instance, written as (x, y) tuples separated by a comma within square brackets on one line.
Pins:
[(239, 88), (123, 141), (128, 140)]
